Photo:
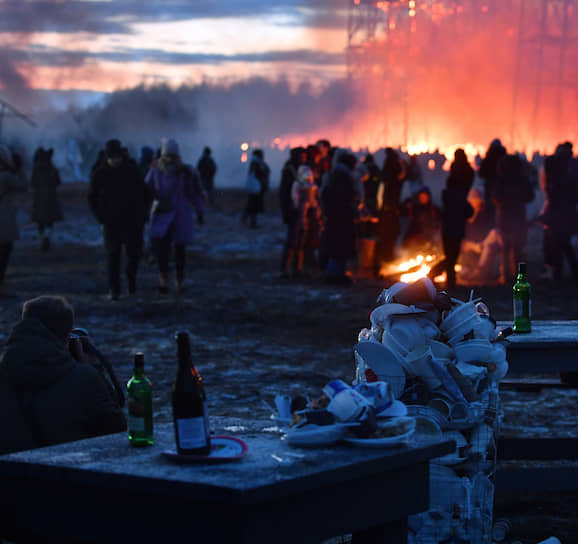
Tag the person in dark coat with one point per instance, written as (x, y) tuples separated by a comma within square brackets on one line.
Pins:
[(11, 182), (257, 185), (559, 217), (512, 192), (120, 201), (456, 210), (47, 396), (388, 229), (288, 210), (207, 168), (339, 203), (147, 156), (489, 173), (46, 208)]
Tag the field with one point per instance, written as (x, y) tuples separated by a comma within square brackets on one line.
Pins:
[(255, 335)]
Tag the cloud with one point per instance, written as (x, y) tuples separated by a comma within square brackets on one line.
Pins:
[(118, 16), (44, 56)]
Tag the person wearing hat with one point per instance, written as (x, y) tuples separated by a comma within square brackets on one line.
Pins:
[(11, 182), (120, 201), (176, 190)]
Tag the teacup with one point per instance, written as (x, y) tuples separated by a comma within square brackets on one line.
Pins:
[(407, 333), (484, 328), (441, 351), (283, 405), (418, 363), (334, 387), (348, 405), (458, 315)]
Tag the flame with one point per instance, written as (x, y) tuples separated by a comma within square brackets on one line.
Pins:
[(417, 267)]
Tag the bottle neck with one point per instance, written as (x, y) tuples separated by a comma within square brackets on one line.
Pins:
[(522, 278), (138, 372)]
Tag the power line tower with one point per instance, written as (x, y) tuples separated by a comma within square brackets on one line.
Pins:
[(547, 60), (6, 110)]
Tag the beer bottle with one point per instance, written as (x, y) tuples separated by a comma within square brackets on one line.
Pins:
[(522, 301), (192, 434), (140, 405)]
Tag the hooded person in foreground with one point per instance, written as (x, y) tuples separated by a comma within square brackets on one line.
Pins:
[(47, 395)]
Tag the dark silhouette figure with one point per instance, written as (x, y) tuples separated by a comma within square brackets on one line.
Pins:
[(339, 203), (257, 185), (489, 173), (512, 192), (147, 156), (559, 217), (456, 210), (207, 168), (120, 201), (287, 204), (46, 208), (392, 178)]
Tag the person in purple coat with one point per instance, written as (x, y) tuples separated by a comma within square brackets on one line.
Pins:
[(176, 190)]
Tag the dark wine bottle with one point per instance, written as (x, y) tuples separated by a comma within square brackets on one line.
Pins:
[(192, 433)]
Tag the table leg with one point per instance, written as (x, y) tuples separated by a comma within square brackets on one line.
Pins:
[(394, 532)]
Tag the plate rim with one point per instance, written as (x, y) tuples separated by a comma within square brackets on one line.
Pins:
[(378, 441), (173, 454)]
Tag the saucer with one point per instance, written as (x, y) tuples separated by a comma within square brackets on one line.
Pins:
[(223, 448)]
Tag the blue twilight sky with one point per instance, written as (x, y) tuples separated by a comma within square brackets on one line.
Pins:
[(106, 45)]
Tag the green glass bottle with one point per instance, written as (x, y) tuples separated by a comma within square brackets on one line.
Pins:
[(522, 301), (140, 405)]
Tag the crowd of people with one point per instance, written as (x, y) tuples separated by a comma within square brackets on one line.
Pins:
[(329, 200), (332, 202), (125, 196)]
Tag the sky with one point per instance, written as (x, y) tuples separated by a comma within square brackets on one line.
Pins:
[(446, 74), (108, 45)]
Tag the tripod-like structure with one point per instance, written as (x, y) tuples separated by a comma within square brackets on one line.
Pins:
[(547, 59), (6, 110), (541, 36)]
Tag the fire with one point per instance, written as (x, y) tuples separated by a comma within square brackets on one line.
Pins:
[(415, 268), (419, 261)]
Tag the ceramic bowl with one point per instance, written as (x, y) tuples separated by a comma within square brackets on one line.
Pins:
[(474, 350), (458, 315)]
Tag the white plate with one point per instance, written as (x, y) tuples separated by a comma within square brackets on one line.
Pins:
[(384, 442), (316, 435)]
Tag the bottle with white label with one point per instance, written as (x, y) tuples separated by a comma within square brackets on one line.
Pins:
[(192, 433), (140, 405)]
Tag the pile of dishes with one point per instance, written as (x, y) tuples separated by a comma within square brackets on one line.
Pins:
[(365, 414), (444, 359)]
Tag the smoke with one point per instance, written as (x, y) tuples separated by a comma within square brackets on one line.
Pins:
[(256, 111)]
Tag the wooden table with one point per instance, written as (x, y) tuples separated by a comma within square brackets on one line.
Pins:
[(550, 348), (102, 490)]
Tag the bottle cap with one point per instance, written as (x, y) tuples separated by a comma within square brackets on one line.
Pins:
[(139, 359), (522, 269)]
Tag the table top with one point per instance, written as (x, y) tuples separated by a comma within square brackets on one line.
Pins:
[(269, 468), (545, 333)]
